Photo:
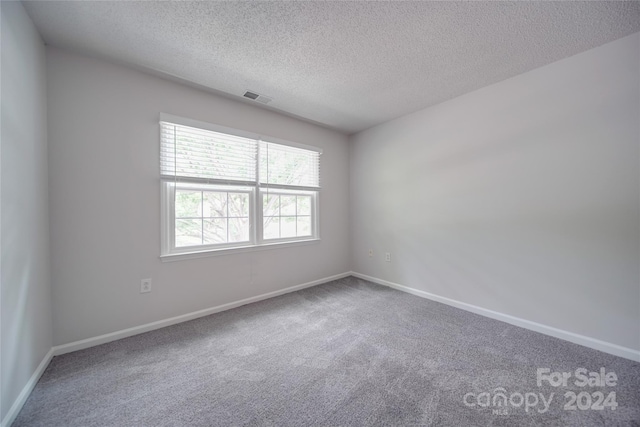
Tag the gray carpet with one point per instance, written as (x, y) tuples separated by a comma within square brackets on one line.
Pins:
[(344, 353)]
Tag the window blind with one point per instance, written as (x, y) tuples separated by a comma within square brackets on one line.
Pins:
[(204, 155), (197, 152), (285, 166)]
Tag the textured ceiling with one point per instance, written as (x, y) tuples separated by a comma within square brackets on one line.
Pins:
[(347, 65)]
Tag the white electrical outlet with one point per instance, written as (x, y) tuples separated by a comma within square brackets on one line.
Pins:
[(370, 252), (387, 256), (145, 286)]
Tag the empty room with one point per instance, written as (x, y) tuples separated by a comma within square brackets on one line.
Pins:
[(320, 213)]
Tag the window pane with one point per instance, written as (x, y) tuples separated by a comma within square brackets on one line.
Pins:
[(238, 229), (271, 227), (304, 226), (239, 205), (215, 204), (287, 205), (288, 226), (215, 231), (304, 205), (271, 205), (188, 232), (188, 204)]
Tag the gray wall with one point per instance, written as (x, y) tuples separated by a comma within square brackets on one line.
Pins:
[(522, 197), (24, 223), (105, 202)]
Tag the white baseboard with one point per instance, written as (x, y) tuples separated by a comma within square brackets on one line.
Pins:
[(26, 390), (604, 346), (594, 343), (124, 333)]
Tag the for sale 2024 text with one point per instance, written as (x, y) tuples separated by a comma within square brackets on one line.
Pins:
[(581, 377)]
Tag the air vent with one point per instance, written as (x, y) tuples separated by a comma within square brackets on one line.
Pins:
[(251, 95), (257, 97)]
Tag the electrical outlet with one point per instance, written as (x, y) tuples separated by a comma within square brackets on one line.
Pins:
[(370, 252), (145, 286), (387, 256)]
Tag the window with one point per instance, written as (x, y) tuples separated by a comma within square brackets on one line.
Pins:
[(227, 189), (211, 216), (286, 215)]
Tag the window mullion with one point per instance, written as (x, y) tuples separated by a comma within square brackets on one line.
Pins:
[(258, 232), (227, 216), (202, 217)]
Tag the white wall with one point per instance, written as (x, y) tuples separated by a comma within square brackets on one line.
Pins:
[(522, 197), (105, 201), (24, 225)]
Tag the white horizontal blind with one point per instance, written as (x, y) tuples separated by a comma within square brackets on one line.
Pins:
[(285, 166), (204, 155)]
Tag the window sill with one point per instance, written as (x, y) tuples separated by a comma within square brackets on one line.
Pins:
[(231, 251)]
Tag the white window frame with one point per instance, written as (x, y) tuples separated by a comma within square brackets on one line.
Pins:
[(256, 191)]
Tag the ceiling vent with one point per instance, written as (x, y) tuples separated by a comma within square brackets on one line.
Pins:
[(257, 97)]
